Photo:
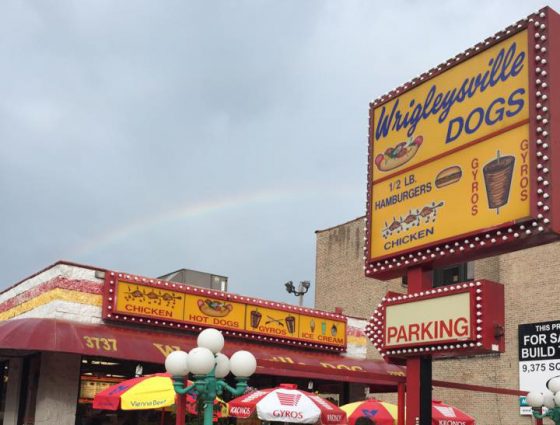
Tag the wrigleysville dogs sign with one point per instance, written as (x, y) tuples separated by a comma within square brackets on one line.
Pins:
[(461, 158)]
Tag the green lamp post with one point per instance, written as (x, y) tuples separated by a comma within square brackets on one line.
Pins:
[(208, 366), (550, 399)]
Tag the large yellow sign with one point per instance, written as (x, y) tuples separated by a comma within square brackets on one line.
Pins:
[(171, 305), (451, 156)]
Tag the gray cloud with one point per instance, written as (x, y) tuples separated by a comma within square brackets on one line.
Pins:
[(148, 136)]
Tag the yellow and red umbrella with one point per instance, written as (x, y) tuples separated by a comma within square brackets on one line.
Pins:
[(145, 392), (375, 412), (148, 392), (371, 412)]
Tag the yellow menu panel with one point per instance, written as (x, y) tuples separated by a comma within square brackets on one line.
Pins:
[(271, 321), (134, 299), (321, 330), (479, 187), (149, 301), (215, 312)]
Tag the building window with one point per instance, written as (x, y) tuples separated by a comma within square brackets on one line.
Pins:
[(450, 275), (453, 274)]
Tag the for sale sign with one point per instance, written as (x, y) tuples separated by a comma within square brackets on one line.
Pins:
[(539, 356)]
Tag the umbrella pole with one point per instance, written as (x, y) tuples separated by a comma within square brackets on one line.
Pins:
[(401, 403), (162, 418)]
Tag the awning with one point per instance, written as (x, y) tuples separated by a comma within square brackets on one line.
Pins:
[(146, 345)]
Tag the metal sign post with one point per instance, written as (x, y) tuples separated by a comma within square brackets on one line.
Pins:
[(419, 369)]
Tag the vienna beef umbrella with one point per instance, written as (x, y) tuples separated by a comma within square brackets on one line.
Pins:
[(287, 404), (145, 392), (148, 392)]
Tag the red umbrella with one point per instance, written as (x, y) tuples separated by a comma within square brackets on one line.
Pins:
[(443, 414), (287, 404)]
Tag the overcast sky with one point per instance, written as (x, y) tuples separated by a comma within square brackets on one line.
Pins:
[(148, 136)]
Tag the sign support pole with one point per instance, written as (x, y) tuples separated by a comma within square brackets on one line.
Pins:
[(419, 369), (402, 400)]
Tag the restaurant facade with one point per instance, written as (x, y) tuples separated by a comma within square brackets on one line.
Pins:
[(71, 330)]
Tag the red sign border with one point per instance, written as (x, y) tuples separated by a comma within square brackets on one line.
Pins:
[(487, 308), (543, 226), (110, 305)]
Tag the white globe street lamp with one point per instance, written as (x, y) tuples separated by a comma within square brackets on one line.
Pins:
[(553, 384), (549, 399), (201, 361), (208, 366), (177, 363), (222, 365), (211, 339), (243, 364)]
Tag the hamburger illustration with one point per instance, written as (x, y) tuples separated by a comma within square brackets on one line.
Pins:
[(448, 176)]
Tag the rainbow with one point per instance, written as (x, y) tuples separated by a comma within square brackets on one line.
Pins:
[(189, 210)]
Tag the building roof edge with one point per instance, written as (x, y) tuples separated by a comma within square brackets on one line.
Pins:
[(338, 225)]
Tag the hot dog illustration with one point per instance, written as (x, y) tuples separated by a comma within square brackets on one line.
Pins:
[(214, 308), (402, 153)]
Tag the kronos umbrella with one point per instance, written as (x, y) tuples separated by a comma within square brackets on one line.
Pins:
[(444, 414), (287, 404)]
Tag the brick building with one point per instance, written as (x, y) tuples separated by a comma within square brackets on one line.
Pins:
[(530, 280)]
